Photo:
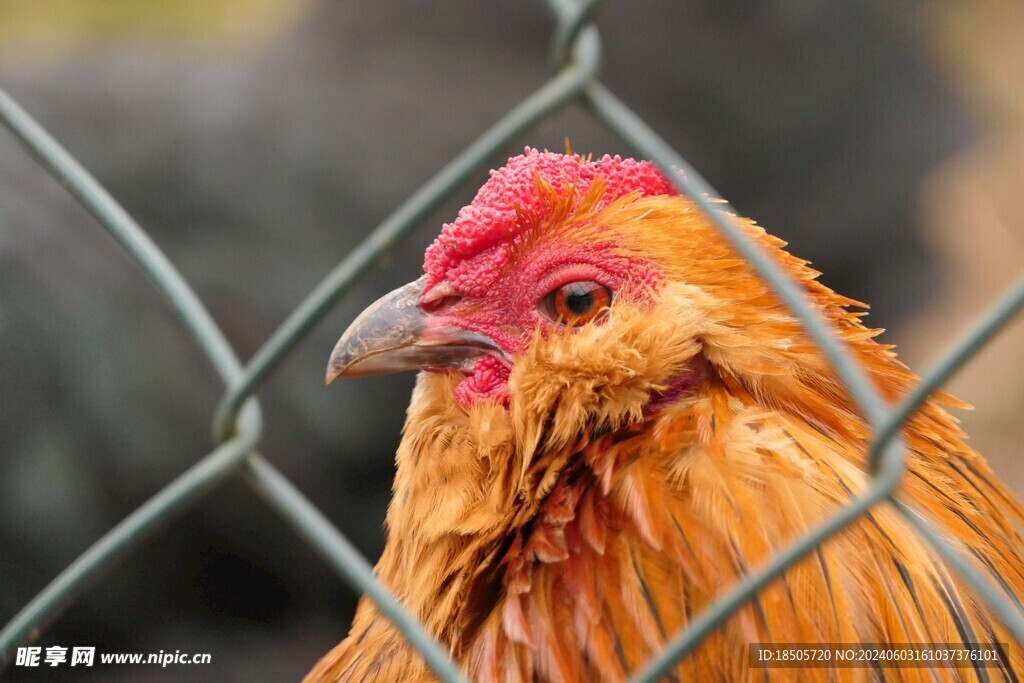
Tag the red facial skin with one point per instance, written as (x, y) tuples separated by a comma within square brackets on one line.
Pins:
[(479, 278)]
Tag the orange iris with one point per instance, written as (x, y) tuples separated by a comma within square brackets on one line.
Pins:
[(578, 303)]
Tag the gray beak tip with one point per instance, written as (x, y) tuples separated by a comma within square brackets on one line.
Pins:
[(341, 359)]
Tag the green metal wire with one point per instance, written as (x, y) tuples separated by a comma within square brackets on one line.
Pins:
[(997, 317), (573, 18), (237, 424), (999, 600)]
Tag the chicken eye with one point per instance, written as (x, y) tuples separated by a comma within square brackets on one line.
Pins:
[(577, 303)]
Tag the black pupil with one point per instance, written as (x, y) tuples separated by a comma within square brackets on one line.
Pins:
[(579, 298)]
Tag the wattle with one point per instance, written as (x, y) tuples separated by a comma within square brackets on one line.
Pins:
[(489, 382)]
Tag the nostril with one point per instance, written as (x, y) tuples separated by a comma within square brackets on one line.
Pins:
[(440, 297), (433, 305)]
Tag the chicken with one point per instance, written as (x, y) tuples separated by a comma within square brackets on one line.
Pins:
[(616, 420)]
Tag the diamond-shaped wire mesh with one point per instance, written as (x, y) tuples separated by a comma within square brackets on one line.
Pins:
[(237, 424)]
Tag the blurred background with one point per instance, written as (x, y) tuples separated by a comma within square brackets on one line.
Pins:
[(258, 141)]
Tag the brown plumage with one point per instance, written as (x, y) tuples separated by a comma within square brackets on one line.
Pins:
[(570, 493)]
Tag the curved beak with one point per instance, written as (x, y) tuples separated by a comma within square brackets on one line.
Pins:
[(395, 334)]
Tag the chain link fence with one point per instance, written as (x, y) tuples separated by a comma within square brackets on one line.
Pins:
[(237, 423)]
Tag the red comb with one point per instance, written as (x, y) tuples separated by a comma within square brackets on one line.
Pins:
[(511, 192)]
